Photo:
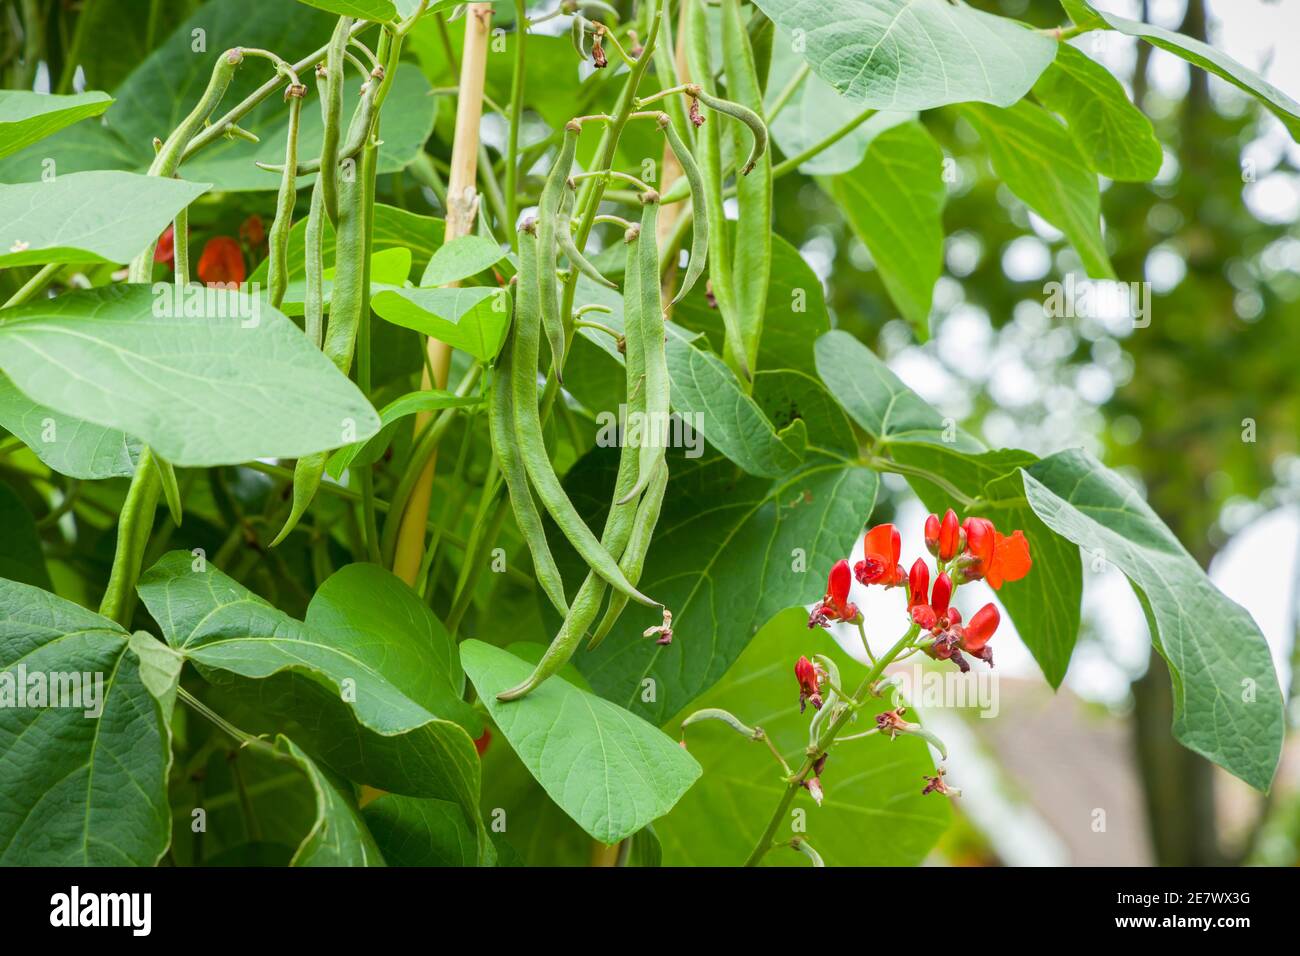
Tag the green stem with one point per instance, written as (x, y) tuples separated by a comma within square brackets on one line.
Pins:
[(823, 744), (787, 93), (794, 162), (877, 463), (34, 285), (516, 114)]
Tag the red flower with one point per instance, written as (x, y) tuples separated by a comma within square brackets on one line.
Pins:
[(165, 251), (835, 606), (252, 230), (992, 555), (936, 616), (809, 684), (481, 744), (918, 584), (222, 262), (879, 565), (932, 534), (974, 637)]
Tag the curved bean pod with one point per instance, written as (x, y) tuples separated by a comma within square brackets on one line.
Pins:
[(564, 237), (332, 103), (548, 208), (278, 239), (699, 204), (746, 116)]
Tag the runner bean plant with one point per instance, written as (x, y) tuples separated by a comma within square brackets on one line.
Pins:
[(496, 435)]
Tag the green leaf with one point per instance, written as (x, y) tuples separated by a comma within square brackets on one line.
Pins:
[(339, 836), (360, 9), (21, 557), (612, 772), (814, 112), (730, 551), (1200, 54), (71, 447), (894, 201), (414, 832), (460, 259), (473, 319), (81, 790), (1116, 136), (411, 403), (915, 54), (27, 117), (1041, 163), (360, 680), (707, 395), (1044, 604), (1227, 706), (88, 217), (227, 389), (873, 813), (785, 395)]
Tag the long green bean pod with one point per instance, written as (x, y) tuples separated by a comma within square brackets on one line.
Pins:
[(278, 239), (333, 106), (747, 116), (651, 333), (358, 131), (501, 429), (638, 546), (548, 208), (313, 303), (708, 146), (307, 472), (528, 426), (564, 236), (618, 523), (700, 224)]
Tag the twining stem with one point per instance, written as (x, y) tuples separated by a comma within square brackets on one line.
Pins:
[(825, 739), (461, 207)]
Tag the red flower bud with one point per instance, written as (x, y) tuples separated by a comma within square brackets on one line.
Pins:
[(981, 627), (222, 262), (918, 584), (948, 535), (837, 586), (932, 534), (165, 251), (835, 605), (809, 684), (942, 595)]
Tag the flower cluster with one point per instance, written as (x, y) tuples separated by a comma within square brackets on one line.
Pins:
[(971, 550)]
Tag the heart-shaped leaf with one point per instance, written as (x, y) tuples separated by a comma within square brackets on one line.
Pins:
[(416, 832), (88, 217), (612, 772), (460, 259), (915, 54), (206, 377), (86, 762), (339, 836)]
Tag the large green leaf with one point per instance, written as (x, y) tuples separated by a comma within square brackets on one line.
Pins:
[(1041, 163), (21, 557), (707, 394), (873, 813), (465, 257), (415, 832), (1227, 705), (339, 836), (915, 54), (71, 447), (357, 681), (894, 202), (1045, 604), (730, 551), (77, 789), (27, 117), (1113, 133), (1201, 54), (473, 319), (203, 386), (88, 217), (612, 772)]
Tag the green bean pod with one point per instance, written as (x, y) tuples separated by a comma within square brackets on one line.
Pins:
[(651, 332), (548, 208), (619, 524), (358, 130), (313, 303), (578, 34), (708, 145), (747, 116), (638, 546), (170, 489), (501, 430), (332, 100), (307, 472), (278, 237), (564, 236), (700, 206), (528, 428)]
